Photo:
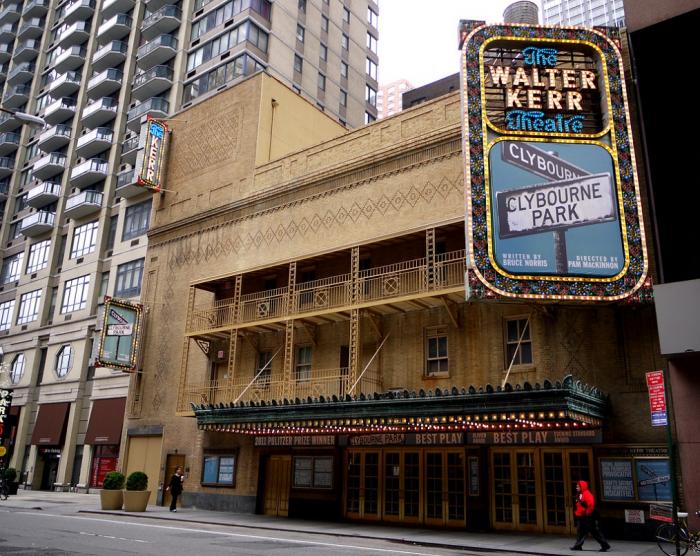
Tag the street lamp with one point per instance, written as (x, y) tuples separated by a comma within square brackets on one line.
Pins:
[(24, 117)]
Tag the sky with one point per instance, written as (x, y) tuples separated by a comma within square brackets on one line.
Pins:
[(418, 40)]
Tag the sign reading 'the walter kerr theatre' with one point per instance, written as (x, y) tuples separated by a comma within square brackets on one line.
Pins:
[(152, 161), (553, 205)]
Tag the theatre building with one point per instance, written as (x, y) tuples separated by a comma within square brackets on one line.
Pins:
[(310, 348)]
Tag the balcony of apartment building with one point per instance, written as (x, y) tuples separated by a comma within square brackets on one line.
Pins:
[(9, 142), (152, 82), (26, 51), (5, 52), (100, 112), (3, 73), (111, 55), (116, 27), (83, 204), (45, 193), (8, 32), (49, 166), (4, 192), (8, 122), (31, 28), (38, 223), (74, 35), (105, 83), (7, 166), (16, 96), (163, 20), (89, 172), (157, 107), (65, 84), (418, 272), (54, 138), (113, 7), (10, 14), (94, 142), (156, 51), (130, 148), (35, 8), (78, 10), (127, 184), (59, 110), (155, 5), (70, 59), (21, 73)]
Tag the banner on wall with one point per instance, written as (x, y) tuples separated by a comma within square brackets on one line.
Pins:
[(151, 160)]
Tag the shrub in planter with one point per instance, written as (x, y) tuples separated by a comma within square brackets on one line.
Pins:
[(136, 496), (111, 497)]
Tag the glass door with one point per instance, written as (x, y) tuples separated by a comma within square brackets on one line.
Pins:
[(527, 488), (411, 487), (502, 515), (362, 490), (456, 511)]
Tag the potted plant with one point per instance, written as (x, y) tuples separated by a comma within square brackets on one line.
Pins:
[(11, 480), (111, 497), (136, 496)]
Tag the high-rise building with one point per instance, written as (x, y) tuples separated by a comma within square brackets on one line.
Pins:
[(587, 13), (74, 219), (389, 100)]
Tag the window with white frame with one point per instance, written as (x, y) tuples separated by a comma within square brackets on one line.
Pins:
[(343, 70), (12, 268), (84, 239), (6, 310), (345, 42), (129, 277), (300, 33), (302, 363), (64, 360), (436, 355), (75, 294), (136, 220), (518, 341), (17, 368), (28, 307), (38, 256)]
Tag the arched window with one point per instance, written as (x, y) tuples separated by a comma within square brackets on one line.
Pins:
[(64, 361), (17, 369)]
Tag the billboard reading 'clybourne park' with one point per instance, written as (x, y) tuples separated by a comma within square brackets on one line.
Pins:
[(553, 209)]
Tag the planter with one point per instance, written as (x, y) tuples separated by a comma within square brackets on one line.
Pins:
[(111, 499), (136, 500)]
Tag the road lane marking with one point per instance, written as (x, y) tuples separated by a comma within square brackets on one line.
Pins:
[(111, 537), (238, 535)]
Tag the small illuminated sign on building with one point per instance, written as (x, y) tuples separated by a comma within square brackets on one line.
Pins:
[(153, 155), (121, 335), (553, 204)]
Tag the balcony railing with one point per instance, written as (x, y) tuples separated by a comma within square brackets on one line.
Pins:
[(320, 382), (374, 286)]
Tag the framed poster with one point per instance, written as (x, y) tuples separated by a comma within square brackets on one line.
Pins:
[(653, 476), (617, 482)]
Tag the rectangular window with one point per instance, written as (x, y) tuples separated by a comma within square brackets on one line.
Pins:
[(343, 70), (371, 95), (345, 42), (136, 220), (20, 203), (302, 5), (6, 310), (313, 472), (346, 15), (38, 256), (302, 363), (343, 98), (518, 342), (12, 268), (324, 23), (112, 235), (321, 81), (371, 69), (300, 33), (75, 294), (28, 307), (298, 63), (372, 42), (84, 239), (129, 277), (369, 118), (324, 52), (104, 283), (372, 17), (219, 470), (264, 358), (436, 358)]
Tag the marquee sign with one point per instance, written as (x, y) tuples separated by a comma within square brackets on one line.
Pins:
[(153, 155), (553, 204), (121, 335)]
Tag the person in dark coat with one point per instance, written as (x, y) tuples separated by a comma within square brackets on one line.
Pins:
[(585, 519), (175, 487)]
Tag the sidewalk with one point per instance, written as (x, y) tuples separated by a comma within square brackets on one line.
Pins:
[(536, 544)]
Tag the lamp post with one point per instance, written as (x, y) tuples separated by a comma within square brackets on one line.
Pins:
[(24, 117)]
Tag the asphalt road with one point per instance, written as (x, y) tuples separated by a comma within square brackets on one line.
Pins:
[(29, 532)]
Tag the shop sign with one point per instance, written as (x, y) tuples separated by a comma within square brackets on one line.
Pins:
[(657, 398), (409, 439), (121, 335), (634, 516), (154, 153), (293, 441), (5, 405), (586, 436)]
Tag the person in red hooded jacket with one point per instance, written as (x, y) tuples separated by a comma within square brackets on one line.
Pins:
[(585, 521)]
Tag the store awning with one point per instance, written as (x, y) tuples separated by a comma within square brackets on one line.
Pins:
[(567, 404), (106, 421), (50, 426)]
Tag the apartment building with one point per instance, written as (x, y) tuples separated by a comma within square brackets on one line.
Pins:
[(74, 219), (586, 13), (389, 97)]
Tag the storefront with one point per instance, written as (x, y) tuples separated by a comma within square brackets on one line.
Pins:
[(48, 436), (104, 434)]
